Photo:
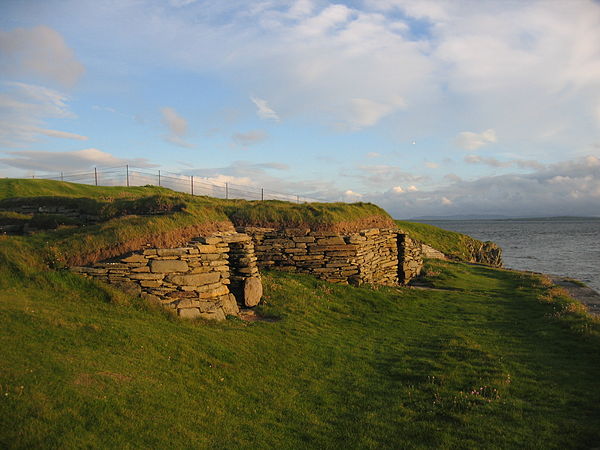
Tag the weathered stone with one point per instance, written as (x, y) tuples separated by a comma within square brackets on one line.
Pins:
[(197, 279), (304, 239), (209, 240), (337, 240), (206, 248), (150, 283), (134, 259), (221, 290), (172, 251), (253, 291), (169, 266), (229, 305), (188, 313), (146, 276)]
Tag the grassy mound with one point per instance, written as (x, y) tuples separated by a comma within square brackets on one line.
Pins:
[(479, 361), (131, 217)]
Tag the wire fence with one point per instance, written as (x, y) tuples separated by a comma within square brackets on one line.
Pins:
[(132, 176)]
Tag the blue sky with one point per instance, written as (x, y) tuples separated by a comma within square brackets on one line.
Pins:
[(425, 108)]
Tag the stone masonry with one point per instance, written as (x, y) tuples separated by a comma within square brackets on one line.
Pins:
[(194, 280), (367, 256), (410, 258), (212, 276)]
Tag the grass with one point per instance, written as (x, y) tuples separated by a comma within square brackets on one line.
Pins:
[(455, 245), (487, 359)]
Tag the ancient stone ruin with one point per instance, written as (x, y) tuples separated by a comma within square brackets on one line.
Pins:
[(197, 280), (213, 276)]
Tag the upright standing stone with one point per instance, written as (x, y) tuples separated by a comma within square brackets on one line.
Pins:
[(253, 291)]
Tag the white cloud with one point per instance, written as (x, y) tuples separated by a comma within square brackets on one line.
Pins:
[(398, 189), (431, 165), (493, 162), (383, 175), (249, 138), (263, 109), (567, 188), (177, 125), (61, 134), (364, 112), (40, 52), (23, 110), (68, 161), (472, 141), (351, 196), (373, 155)]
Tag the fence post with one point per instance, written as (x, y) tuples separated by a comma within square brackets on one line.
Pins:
[(96, 176), (127, 173), (226, 191), (192, 183), (61, 177), (159, 177), (262, 193)]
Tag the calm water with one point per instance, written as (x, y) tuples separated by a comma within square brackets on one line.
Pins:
[(569, 247)]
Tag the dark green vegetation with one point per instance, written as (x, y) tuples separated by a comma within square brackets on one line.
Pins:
[(455, 245), (489, 359), (127, 218)]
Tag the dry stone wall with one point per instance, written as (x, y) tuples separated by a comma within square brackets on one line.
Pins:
[(213, 275), (367, 256), (194, 280), (411, 258)]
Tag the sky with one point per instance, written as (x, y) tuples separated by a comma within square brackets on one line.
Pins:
[(428, 108)]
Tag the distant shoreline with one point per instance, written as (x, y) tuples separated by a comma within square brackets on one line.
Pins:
[(497, 218)]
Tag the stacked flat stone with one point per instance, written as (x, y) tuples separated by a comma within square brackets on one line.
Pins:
[(377, 256), (193, 279), (368, 256), (245, 278), (410, 257)]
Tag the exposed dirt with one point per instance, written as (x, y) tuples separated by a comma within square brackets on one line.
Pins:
[(338, 227), (170, 239), (250, 315)]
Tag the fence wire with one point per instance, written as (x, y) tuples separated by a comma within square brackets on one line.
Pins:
[(131, 176)]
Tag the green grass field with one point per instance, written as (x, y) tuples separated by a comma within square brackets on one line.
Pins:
[(487, 359), (480, 358)]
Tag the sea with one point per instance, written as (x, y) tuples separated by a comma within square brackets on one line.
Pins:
[(562, 246)]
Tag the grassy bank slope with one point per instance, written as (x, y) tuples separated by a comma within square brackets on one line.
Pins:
[(494, 359), (455, 245), (131, 217)]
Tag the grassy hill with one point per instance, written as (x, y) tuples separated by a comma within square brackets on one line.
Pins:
[(455, 245), (132, 217), (483, 358)]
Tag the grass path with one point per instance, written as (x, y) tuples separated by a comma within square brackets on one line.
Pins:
[(495, 359)]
